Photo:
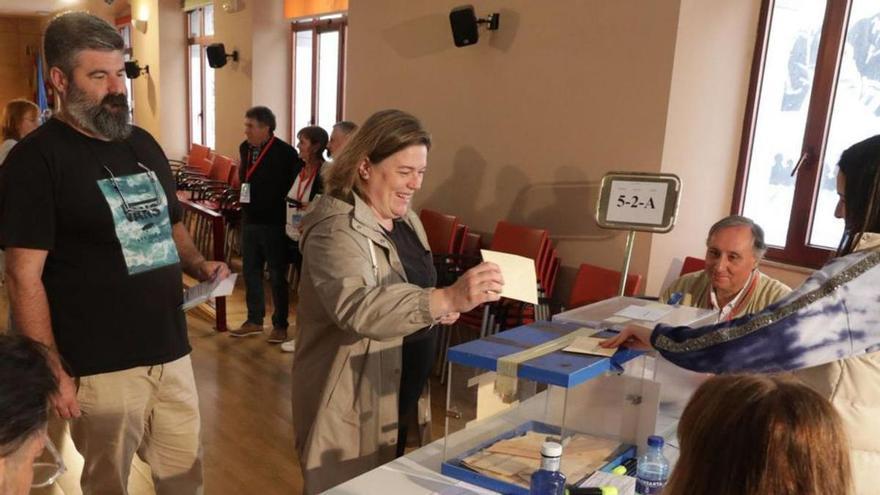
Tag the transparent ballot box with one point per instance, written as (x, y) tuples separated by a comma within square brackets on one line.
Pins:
[(622, 310), (499, 413)]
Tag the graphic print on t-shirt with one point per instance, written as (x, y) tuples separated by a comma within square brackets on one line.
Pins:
[(140, 213)]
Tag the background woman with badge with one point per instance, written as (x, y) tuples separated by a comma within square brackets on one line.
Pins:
[(311, 143)]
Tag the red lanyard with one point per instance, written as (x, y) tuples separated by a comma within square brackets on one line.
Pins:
[(303, 185), (250, 170)]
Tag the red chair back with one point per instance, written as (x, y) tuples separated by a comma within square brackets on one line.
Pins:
[(691, 265), (199, 158), (221, 169), (234, 181), (440, 229), (523, 241), (471, 244), (458, 241), (594, 283)]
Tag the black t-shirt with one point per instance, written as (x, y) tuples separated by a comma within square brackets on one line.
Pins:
[(269, 183), (103, 318), (417, 263)]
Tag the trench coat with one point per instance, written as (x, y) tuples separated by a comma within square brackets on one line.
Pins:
[(355, 308)]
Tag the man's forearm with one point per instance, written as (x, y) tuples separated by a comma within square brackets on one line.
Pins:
[(30, 310), (190, 257)]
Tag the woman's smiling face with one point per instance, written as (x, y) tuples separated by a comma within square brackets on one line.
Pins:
[(390, 184)]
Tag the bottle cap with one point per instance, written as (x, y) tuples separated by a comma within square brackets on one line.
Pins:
[(551, 449), (619, 470), (655, 441)]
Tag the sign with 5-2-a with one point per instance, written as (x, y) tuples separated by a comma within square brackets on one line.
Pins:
[(635, 201)]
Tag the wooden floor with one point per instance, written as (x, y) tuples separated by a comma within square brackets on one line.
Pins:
[(244, 394)]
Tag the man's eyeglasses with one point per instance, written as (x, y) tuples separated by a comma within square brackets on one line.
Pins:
[(48, 471)]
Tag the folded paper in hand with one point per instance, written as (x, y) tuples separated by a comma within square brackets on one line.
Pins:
[(520, 281), (208, 289)]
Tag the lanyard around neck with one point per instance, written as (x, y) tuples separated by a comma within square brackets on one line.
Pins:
[(304, 184), (250, 170)]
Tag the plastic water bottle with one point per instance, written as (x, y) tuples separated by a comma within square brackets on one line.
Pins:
[(653, 469), (548, 480)]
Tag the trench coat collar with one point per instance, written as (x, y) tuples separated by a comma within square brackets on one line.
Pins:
[(364, 221)]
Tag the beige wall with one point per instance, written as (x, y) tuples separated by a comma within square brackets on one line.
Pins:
[(271, 70), (146, 50), (19, 43), (261, 76), (172, 66), (703, 128), (234, 81), (160, 96), (527, 121), (704, 123)]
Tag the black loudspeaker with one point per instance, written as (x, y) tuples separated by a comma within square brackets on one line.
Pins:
[(217, 55), (464, 25), (133, 70)]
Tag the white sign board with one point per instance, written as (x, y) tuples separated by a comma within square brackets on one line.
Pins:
[(637, 202)]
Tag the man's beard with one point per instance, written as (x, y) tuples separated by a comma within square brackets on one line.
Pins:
[(108, 118)]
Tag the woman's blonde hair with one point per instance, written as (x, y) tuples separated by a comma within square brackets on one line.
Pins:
[(762, 434), (13, 114), (386, 132)]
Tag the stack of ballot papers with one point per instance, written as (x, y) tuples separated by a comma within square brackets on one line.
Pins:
[(208, 289), (515, 459)]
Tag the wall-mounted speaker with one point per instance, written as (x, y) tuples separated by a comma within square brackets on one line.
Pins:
[(133, 70), (217, 55), (465, 25)]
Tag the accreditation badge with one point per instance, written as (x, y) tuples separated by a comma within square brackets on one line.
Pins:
[(140, 215), (245, 195)]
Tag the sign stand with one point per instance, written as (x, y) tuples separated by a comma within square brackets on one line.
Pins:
[(627, 255), (637, 202)]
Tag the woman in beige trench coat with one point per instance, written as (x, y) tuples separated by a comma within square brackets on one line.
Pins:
[(356, 304)]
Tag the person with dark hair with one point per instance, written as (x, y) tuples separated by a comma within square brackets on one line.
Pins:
[(94, 268), (367, 282), (311, 143), (20, 117), (828, 329), (268, 168), (26, 388), (342, 130), (731, 283), (760, 434)]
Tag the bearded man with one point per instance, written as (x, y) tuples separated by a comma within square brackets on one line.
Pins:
[(95, 249)]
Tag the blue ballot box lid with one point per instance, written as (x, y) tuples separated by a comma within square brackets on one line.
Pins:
[(564, 369)]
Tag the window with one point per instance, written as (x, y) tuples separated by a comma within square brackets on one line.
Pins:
[(815, 90), (318, 72), (123, 25), (200, 34)]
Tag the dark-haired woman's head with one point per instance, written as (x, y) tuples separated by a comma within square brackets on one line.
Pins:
[(311, 143), (858, 185), (26, 385)]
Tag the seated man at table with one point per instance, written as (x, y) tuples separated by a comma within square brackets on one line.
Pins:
[(731, 283)]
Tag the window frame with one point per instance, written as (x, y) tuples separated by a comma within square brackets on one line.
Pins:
[(318, 26), (124, 28), (202, 41), (797, 250)]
